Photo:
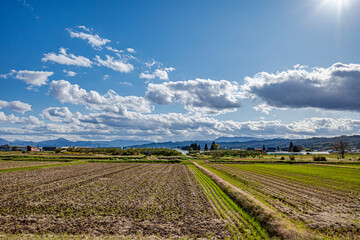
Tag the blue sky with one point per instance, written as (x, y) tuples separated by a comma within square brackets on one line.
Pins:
[(176, 70)]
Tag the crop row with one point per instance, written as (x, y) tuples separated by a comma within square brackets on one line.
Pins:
[(324, 198), (19, 164), (97, 199), (240, 224)]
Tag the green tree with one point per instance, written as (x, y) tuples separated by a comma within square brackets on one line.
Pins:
[(291, 146), (297, 148), (214, 146), (206, 147)]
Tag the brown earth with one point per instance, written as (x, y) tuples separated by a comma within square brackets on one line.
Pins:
[(98, 199)]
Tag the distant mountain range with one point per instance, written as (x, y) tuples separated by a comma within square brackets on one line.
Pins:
[(224, 142), (62, 142), (243, 142)]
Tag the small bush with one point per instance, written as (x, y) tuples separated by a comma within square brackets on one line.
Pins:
[(292, 157), (282, 158), (319, 158)]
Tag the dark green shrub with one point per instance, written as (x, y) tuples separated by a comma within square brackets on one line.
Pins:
[(319, 158)]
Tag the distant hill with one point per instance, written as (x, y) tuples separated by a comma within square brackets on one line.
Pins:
[(62, 142), (224, 142), (3, 141), (237, 139), (227, 145), (313, 143)]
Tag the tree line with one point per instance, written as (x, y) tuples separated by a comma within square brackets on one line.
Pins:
[(125, 152)]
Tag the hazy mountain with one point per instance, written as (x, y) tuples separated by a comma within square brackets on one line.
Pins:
[(224, 142), (237, 139), (313, 143), (174, 144), (62, 142), (3, 141)]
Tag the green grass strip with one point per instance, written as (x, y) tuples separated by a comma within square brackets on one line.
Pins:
[(240, 223)]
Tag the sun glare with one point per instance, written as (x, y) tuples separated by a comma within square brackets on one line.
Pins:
[(338, 4)]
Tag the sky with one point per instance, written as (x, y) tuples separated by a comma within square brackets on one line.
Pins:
[(166, 70)]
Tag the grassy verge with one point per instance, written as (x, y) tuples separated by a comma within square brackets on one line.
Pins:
[(272, 221), (240, 224)]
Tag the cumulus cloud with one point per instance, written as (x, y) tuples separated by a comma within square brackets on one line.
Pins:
[(180, 126), (31, 120), (67, 59), (116, 65), (169, 126), (204, 96), (59, 114), (34, 78), (333, 88), (94, 40), (16, 106), (147, 75), (69, 73), (159, 73), (110, 102)]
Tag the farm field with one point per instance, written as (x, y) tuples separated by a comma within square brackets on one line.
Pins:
[(21, 164), (240, 224), (323, 198), (98, 199)]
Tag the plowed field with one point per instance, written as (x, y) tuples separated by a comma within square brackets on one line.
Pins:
[(19, 164), (324, 198), (100, 199)]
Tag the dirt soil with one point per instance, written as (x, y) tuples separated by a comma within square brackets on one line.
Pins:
[(97, 199)]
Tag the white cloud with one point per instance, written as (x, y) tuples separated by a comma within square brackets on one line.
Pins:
[(31, 120), (179, 126), (130, 50), (16, 106), (109, 102), (116, 65), (34, 78), (204, 96), (59, 114), (263, 107), (67, 59), (169, 126), (84, 28), (147, 75), (333, 88), (159, 73), (106, 76), (126, 83), (150, 64), (69, 73), (94, 40), (114, 49)]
